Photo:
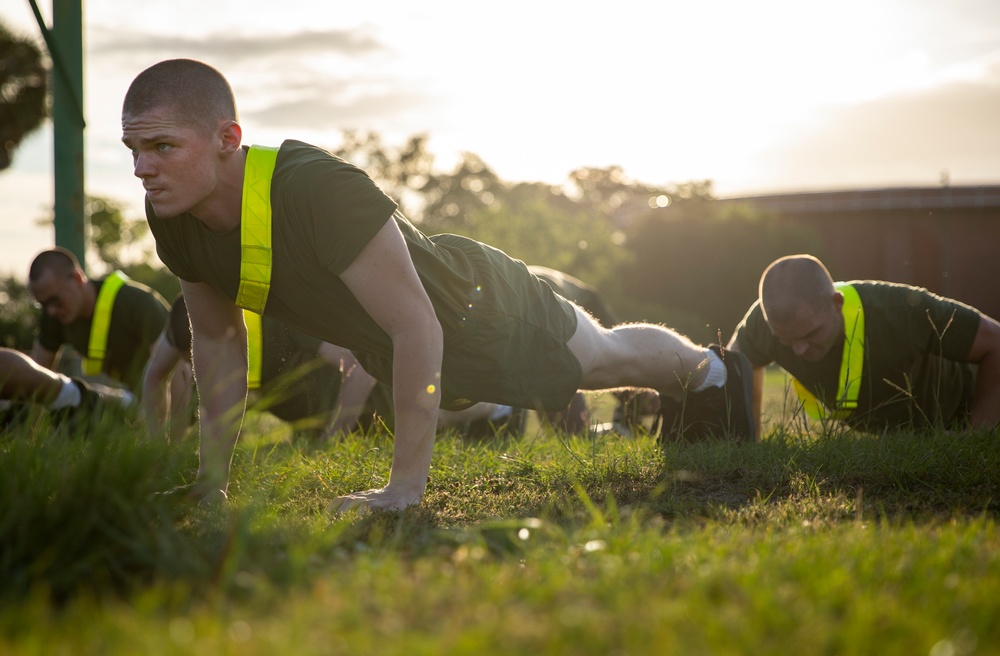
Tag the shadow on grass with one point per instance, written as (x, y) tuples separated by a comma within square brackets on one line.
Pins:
[(896, 476)]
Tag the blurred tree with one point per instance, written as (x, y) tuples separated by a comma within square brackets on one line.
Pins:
[(576, 227), (23, 97), (113, 237), (402, 173), (609, 193), (538, 232), (453, 201)]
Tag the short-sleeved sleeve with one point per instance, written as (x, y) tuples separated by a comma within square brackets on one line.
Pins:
[(345, 208), (754, 339), (948, 327)]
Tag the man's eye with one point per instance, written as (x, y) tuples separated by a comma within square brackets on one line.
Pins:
[(161, 147)]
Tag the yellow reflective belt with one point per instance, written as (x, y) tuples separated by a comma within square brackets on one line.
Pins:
[(851, 363), (97, 347), (255, 349), (255, 229)]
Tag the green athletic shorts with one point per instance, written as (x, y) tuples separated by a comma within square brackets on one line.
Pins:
[(511, 346)]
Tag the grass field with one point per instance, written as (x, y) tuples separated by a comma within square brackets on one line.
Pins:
[(808, 542)]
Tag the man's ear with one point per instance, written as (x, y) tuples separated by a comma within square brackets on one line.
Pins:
[(838, 300), (231, 137)]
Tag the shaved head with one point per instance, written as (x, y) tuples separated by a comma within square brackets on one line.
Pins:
[(58, 260), (198, 94), (792, 282)]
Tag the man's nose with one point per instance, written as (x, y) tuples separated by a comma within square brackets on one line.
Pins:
[(141, 168), (800, 348)]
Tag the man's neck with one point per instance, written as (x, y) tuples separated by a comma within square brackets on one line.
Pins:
[(222, 211)]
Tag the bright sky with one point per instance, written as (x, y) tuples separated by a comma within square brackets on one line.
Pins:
[(773, 95)]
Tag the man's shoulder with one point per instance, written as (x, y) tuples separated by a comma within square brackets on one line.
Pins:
[(306, 176), (753, 316), (294, 155), (891, 296), (753, 338)]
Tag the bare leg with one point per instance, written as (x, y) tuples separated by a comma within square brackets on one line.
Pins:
[(636, 355), (23, 380), (645, 355)]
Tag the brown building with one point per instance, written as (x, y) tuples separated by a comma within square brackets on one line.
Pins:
[(946, 239)]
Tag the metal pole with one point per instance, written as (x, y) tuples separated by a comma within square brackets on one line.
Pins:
[(65, 43)]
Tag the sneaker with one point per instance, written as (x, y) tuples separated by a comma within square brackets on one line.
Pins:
[(715, 412), (80, 417)]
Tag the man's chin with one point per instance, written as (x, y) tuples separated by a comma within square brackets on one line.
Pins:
[(165, 211)]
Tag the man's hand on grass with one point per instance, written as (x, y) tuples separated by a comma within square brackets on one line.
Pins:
[(381, 499)]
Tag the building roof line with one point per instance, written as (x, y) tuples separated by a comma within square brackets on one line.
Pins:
[(890, 198)]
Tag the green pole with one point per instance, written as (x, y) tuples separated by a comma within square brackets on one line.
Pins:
[(66, 48)]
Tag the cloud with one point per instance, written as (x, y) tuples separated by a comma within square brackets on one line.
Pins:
[(349, 43), (911, 136), (338, 108)]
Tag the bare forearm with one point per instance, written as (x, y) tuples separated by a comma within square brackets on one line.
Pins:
[(181, 389), (416, 397), (164, 362), (154, 406), (758, 398), (221, 373)]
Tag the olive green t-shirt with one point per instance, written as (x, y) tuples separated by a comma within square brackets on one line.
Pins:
[(915, 346), (505, 331), (137, 317)]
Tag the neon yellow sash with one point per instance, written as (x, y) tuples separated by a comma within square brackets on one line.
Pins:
[(100, 324), (255, 229), (255, 349), (851, 363)]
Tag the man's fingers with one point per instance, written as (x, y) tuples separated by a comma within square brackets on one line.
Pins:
[(343, 505), (347, 503), (370, 500)]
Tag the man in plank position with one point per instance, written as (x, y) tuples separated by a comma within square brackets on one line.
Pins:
[(112, 322), (446, 321), (875, 355)]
